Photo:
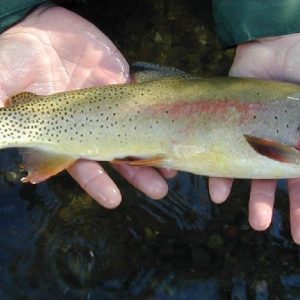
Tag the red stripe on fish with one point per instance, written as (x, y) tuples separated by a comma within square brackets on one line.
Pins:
[(194, 109)]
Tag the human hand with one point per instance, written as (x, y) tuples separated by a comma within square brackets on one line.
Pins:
[(270, 58), (54, 50)]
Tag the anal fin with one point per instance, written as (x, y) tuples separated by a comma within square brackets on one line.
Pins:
[(42, 164), (274, 150)]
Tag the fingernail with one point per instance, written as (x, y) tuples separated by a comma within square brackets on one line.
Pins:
[(296, 233), (218, 191), (261, 219), (155, 189), (296, 236), (107, 196)]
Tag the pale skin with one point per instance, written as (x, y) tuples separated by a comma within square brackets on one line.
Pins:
[(53, 50)]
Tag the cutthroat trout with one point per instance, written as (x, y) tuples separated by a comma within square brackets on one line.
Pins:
[(227, 127)]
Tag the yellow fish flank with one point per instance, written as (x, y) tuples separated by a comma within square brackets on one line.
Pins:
[(230, 127)]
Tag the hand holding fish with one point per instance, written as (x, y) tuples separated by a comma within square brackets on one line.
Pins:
[(271, 58), (206, 126), (54, 50)]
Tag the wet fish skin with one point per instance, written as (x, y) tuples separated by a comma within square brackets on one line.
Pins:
[(190, 124)]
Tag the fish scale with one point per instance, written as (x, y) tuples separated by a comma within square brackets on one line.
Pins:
[(229, 127)]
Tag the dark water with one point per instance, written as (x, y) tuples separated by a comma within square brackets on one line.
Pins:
[(57, 243)]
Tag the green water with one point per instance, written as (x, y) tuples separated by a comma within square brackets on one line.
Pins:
[(57, 243)]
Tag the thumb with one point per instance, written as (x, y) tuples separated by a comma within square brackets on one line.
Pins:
[(252, 60)]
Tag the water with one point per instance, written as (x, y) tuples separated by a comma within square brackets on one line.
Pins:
[(57, 243)]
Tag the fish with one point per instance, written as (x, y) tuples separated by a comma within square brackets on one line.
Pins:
[(212, 126)]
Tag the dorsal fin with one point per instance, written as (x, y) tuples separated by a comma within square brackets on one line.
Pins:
[(143, 71), (20, 98)]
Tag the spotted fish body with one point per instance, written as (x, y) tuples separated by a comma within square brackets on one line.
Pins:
[(229, 127)]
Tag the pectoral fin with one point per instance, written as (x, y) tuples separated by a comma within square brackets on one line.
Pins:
[(274, 150), (151, 162), (41, 164)]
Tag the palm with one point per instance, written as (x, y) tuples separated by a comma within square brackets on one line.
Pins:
[(55, 50), (275, 58), (47, 61)]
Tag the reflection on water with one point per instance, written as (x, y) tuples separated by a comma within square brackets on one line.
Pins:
[(56, 243)]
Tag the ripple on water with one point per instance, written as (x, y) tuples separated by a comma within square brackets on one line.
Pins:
[(187, 203)]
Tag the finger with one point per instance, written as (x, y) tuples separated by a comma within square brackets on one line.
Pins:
[(219, 188), (294, 194), (261, 203), (146, 179), (95, 181), (167, 173)]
